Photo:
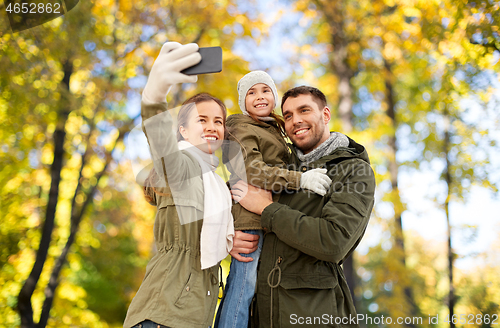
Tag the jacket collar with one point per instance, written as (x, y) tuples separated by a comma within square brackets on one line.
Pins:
[(354, 150), (245, 119)]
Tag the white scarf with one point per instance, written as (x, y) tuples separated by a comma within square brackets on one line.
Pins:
[(218, 228)]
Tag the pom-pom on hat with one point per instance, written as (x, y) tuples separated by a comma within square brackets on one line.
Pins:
[(251, 79)]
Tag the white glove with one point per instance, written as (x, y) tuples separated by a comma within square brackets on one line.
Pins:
[(316, 180), (166, 70)]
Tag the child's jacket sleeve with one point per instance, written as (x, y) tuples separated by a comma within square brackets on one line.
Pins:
[(265, 159)]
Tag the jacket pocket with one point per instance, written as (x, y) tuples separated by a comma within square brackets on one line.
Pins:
[(353, 201), (186, 290), (307, 300), (196, 301)]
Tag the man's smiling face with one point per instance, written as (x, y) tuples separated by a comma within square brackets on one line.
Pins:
[(306, 124)]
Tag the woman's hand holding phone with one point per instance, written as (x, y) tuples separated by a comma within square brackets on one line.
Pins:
[(166, 70)]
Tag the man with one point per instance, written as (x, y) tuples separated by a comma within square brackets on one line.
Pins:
[(300, 280)]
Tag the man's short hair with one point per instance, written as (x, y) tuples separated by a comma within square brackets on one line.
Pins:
[(316, 94)]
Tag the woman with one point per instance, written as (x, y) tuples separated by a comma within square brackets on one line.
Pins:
[(193, 225)]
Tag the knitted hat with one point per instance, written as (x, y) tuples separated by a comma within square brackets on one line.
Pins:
[(248, 81)]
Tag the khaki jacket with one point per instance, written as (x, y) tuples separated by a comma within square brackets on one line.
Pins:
[(308, 237), (266, 156), (175, 291)]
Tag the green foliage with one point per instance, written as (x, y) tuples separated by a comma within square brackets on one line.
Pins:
[(429, 62), (441, 58), (108, 275), (78, 73)]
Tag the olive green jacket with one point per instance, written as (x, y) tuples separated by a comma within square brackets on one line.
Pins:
[(175, 291), (307, 239), (266, 156)]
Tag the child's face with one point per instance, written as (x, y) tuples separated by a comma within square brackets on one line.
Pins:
[(259, 100)]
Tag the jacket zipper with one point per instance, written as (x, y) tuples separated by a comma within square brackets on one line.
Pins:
[(270, 280)]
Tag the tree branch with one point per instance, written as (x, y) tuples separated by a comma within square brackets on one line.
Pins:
[(492, 45), (76, 218), (24, 298)]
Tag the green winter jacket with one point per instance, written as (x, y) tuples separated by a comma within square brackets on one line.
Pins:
[(300, 279), (175, 291), (266, 156)]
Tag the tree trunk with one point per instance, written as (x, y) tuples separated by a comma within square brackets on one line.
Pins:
[(447, 174), (393, 169), (333, 12), (53, 283), (24, 298), (76, 218)]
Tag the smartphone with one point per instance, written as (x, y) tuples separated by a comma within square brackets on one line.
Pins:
[(211, 62)]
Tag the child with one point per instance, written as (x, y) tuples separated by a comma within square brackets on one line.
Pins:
[(260, 133)]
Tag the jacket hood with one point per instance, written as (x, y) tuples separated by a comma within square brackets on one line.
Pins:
[(355, 150)]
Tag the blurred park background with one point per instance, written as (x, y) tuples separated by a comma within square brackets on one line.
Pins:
[(415, 81)]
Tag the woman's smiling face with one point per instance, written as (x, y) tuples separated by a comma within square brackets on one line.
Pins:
[(205, 127)]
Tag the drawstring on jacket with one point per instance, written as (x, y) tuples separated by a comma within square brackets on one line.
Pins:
[(270, 279), (221, 283)]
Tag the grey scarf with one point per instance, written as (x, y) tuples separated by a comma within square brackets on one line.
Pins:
[(335, 141)]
